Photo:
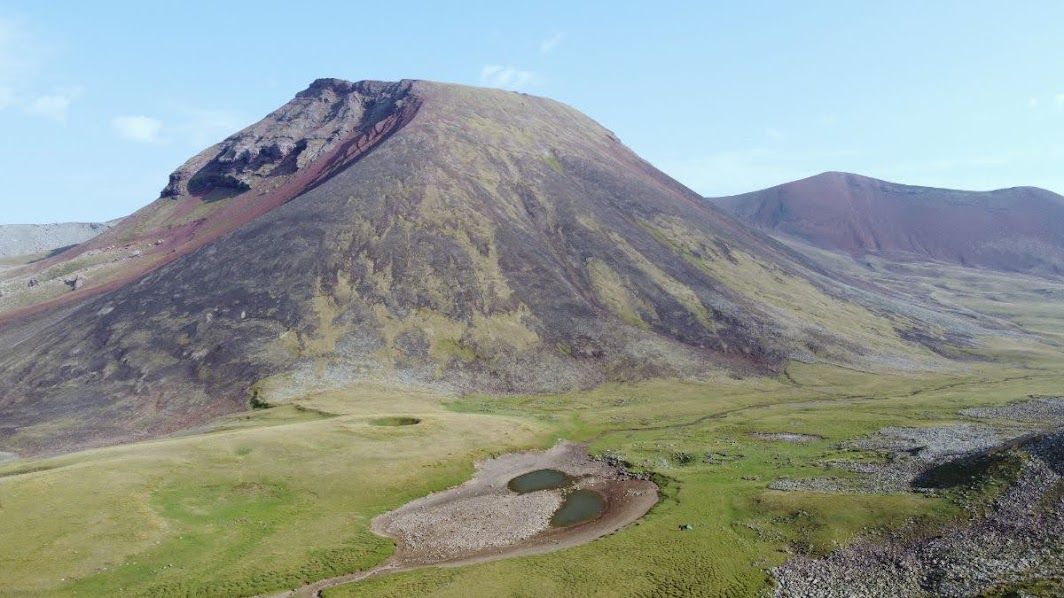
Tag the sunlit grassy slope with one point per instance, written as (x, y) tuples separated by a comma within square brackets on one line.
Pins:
[(262, 503), (270, 499)]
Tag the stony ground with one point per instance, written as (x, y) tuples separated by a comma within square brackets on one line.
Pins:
[(478, 522), (908, 452), (785, 436), (483, 520), (933, 442), (484, 516), (1022, 537), (1041, 408), (26, 239)]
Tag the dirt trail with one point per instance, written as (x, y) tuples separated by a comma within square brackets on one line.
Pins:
[(482, 520)]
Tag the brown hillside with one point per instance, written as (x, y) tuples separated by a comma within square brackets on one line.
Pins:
[(1017, 229), (466, 238)]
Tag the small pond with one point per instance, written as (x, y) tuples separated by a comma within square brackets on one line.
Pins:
[(541, 479), (579, 506)]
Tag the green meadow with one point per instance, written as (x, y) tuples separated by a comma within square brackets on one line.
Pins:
[(265, 501), (273, 498), (696, 439)]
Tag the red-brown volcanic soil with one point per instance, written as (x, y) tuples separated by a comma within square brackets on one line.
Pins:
[(1016, 229), (164, 230)]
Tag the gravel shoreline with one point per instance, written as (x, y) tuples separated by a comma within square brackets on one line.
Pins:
[(482, 516), (482, 520)]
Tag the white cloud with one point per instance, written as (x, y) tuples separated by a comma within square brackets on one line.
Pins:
[(1032, 103), (53, 106), (507, 77), (22, 61), (775, 134), (1059, 101), (142, 129), (548, 45)]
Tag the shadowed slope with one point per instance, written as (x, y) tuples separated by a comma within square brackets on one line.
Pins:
[(491, 241), (1017, 229)]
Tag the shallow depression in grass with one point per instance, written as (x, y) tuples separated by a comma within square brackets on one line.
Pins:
[(540, 479), (395, 421), (579, 507)]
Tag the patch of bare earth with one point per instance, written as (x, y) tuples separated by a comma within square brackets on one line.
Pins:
[(484, 520), (786, 436), (475, 523)]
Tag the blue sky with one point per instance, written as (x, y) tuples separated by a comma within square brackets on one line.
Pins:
[(100, 101)]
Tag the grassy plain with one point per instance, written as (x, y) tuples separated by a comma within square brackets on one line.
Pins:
[(275, 497), (265, 501), (697, 439), (272, 498)]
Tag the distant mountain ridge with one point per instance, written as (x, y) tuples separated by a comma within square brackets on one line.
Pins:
[(28, 239), (1019, 229)]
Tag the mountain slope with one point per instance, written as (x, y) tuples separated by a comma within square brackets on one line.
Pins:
[(222, 188), (28, 239), (474, 239), (1017, 229)]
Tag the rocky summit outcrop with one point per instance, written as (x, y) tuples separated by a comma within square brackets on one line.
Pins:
[(329, 113), (466, 238), (1019, 229), (321, 131), (29, 239)]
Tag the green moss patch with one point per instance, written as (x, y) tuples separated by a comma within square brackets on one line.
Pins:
[(395, 421)]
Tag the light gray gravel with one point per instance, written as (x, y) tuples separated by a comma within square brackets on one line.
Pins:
[(786, 436), (477, 522), (908, 453), (1022, 537), (28, 239), (1038, 408), (933, 442)]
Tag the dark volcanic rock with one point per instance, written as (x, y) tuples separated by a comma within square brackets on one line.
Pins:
[(77, 282), (302, 131)]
